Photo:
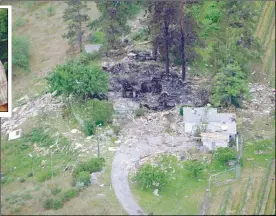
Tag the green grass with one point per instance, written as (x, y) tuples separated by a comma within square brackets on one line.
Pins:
[(182, 194), (268, 25), (262, 191), (226, 201), (17, 161), (244, 196)]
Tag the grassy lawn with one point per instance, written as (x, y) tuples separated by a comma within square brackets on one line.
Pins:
[(184, 194)]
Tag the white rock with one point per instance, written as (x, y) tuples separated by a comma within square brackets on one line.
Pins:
[(155, 192)]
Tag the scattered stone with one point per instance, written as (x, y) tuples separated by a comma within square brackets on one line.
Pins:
[(101, 185), (112, 149), (155, 192), (75, 131), (101, 195), (117, 142)]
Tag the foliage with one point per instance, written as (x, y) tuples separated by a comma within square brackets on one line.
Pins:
[(69, 194), (93, 165), (116, 129), (97, 37), (224, 154), (45, 175), (51, 11), (263, 145), (19, 22), (230, 86), (75, 16), (82, 177), (52, 204), (181, 111), (142, 34), (41, 137), (77, 79), (149, 176), (113, 20), (20, 52), (89, 128), (139, 112), (194, 166), (55, 190)]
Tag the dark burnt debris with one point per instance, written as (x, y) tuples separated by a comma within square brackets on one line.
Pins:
[(142, 79)]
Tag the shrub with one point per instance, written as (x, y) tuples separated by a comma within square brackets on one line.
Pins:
[(97, 38), (224, 154), (93, 165), (51, 11), (149, 176), (45, 175), (139, 112), (55, 190), (116, 129), (39, 136), (141, 35), (86, 58), (77, 79), (181, 111), (52, 204), (194, 166), (82, 177), (30, 175), (21, 52), (89, 128), (100, 111), (69, 194), (22, 180), (19, 22)]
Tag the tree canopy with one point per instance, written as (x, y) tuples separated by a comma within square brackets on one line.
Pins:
[(77, 79)]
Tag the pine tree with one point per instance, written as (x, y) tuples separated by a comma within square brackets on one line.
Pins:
[(76, 17), (113, 20)]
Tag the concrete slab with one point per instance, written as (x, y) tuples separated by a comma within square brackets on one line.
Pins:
[(15, 134)]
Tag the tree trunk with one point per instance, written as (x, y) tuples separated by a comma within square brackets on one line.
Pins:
[(80, 32), (166, 34), (155, 48), (182, 49)]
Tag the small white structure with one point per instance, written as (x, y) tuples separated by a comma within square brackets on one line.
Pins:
[(90, 48), (15, 134), (215, 129)]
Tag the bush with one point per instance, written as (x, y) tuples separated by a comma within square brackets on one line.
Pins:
[(51, 11), (149, 176), (55, 190), (116, 129), (45, 175), (194, 166), (141, 35), (97, 38), (93, 165), (139, 112), (86, 58), (39, 136), (181, 111), (77, 79), (22, 180), (20, 52), (19, 22), (52, 204), (224, 154), (100, 111), (82, 177), (69, 194), (89, 128)]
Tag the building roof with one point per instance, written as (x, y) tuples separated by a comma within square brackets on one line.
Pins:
[(215, 136), (216, 122)]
